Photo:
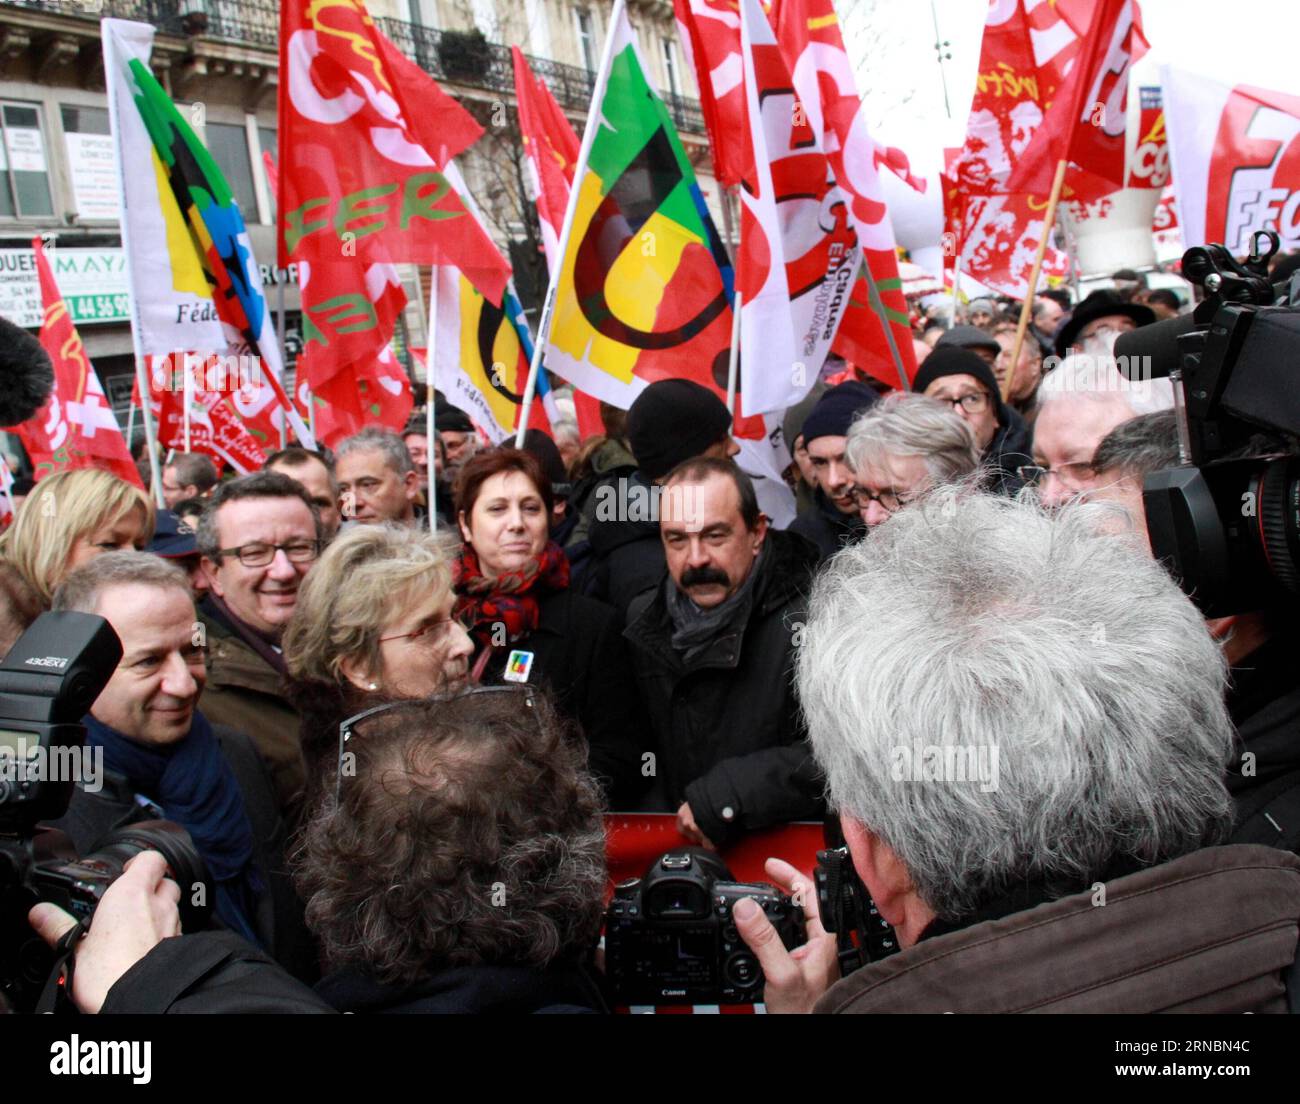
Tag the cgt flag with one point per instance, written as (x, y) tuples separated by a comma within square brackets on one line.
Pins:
[(364, 136), (76, 427), (1235, 152), (644, 289)]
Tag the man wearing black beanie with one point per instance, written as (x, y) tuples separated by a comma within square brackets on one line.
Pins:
[(833, 520), (671, 420), (962, 378)]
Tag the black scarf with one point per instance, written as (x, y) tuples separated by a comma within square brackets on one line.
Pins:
[(694, 629)]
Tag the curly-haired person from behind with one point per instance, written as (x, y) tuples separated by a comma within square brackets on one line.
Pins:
[(461, 867)]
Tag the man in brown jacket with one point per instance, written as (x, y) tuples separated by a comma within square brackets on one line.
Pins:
[(1021, 721), (259, 536)]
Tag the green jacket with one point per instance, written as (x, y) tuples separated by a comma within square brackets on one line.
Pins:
[(246, 693)]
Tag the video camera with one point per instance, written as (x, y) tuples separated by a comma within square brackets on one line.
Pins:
[(48, 682), (1227, 522)]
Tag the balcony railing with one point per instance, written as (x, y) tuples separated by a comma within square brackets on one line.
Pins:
[(434, 50)]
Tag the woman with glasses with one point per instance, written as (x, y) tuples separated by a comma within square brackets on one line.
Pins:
[(966, 382), (903, 447), (373, 623), (529, 627)]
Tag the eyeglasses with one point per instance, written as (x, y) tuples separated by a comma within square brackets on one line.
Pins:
[(259, 554), (890, 501), (348, 727), (974, 403), (427, 634), (1071, 474)]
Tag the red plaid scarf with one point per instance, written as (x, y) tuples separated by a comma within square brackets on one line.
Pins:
[(510, 599)]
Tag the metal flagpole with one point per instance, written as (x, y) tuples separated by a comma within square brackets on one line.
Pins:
[(187, 395), (584, 155), (733, 363), (280, 279), (430, 359), (150, 440)]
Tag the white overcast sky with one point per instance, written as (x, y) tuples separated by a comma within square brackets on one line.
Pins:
[(892, 44)]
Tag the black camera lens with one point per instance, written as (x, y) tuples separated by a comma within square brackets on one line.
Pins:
[(184, 862)]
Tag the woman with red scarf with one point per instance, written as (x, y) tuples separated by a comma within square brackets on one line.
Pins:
[(513, 596)]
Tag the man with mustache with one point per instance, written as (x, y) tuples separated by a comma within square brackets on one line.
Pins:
[(713, 648), (259, 536)]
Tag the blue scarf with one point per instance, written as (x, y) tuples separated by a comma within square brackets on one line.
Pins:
[(194, 785)]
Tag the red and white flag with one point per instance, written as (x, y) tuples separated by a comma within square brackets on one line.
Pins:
[(1087, 118), (710, 34), (810, 39), (798, 253), (76, 427), (1236, 157)]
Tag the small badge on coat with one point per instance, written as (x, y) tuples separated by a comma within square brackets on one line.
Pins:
[(518, 666)]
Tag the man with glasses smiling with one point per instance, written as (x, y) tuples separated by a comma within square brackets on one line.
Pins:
[(259, 536)]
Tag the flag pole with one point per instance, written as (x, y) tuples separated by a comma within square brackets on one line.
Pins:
[(878, 305), (956, 279), (570, 212), (146, 415), (279, 336), (1027, 308), (733, 363), (187, 397), (130, 422), (430, 359)]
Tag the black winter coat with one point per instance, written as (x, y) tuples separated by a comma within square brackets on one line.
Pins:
[(1012, 447), (827, 528), (1264, 703), (729, 734), (279, 920), (627, 554), (580, 656)]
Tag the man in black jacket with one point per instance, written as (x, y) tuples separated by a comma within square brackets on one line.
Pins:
[(163, 761), (832, 521), (671, 420), (713, 645)]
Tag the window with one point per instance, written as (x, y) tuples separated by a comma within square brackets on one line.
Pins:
[(92, 161), (228, 144), (25, 188), (268, 139), (586, 39), (670, 67)]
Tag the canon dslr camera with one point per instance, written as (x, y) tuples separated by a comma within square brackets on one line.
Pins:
[(670, 938)]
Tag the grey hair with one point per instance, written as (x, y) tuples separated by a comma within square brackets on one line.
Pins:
[(907, 424), (1142, 445), (975, 621), (563, 427), (1097, 378), (194, 469), (377, 439), (82, 589)]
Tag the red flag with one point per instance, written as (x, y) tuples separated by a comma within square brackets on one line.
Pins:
[(710, 29), (76, 427), (1088, 116), (376, 392), (364, 135), (216, 427)]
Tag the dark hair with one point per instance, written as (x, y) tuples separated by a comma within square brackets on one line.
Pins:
[(295, 456), (262, 484), (1060, 295), (1165, 296), (467, 831), (1142, 445), (699, 468), (482, 466), (194, 469)]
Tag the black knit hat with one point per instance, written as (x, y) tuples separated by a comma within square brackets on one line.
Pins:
[(952, 361), (673, 420), (451, 419), (836, 409)]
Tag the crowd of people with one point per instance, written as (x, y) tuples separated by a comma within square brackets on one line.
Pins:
[(390, 690)]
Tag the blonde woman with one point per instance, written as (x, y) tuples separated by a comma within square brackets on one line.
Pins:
[(69, 519), (373, 622)]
